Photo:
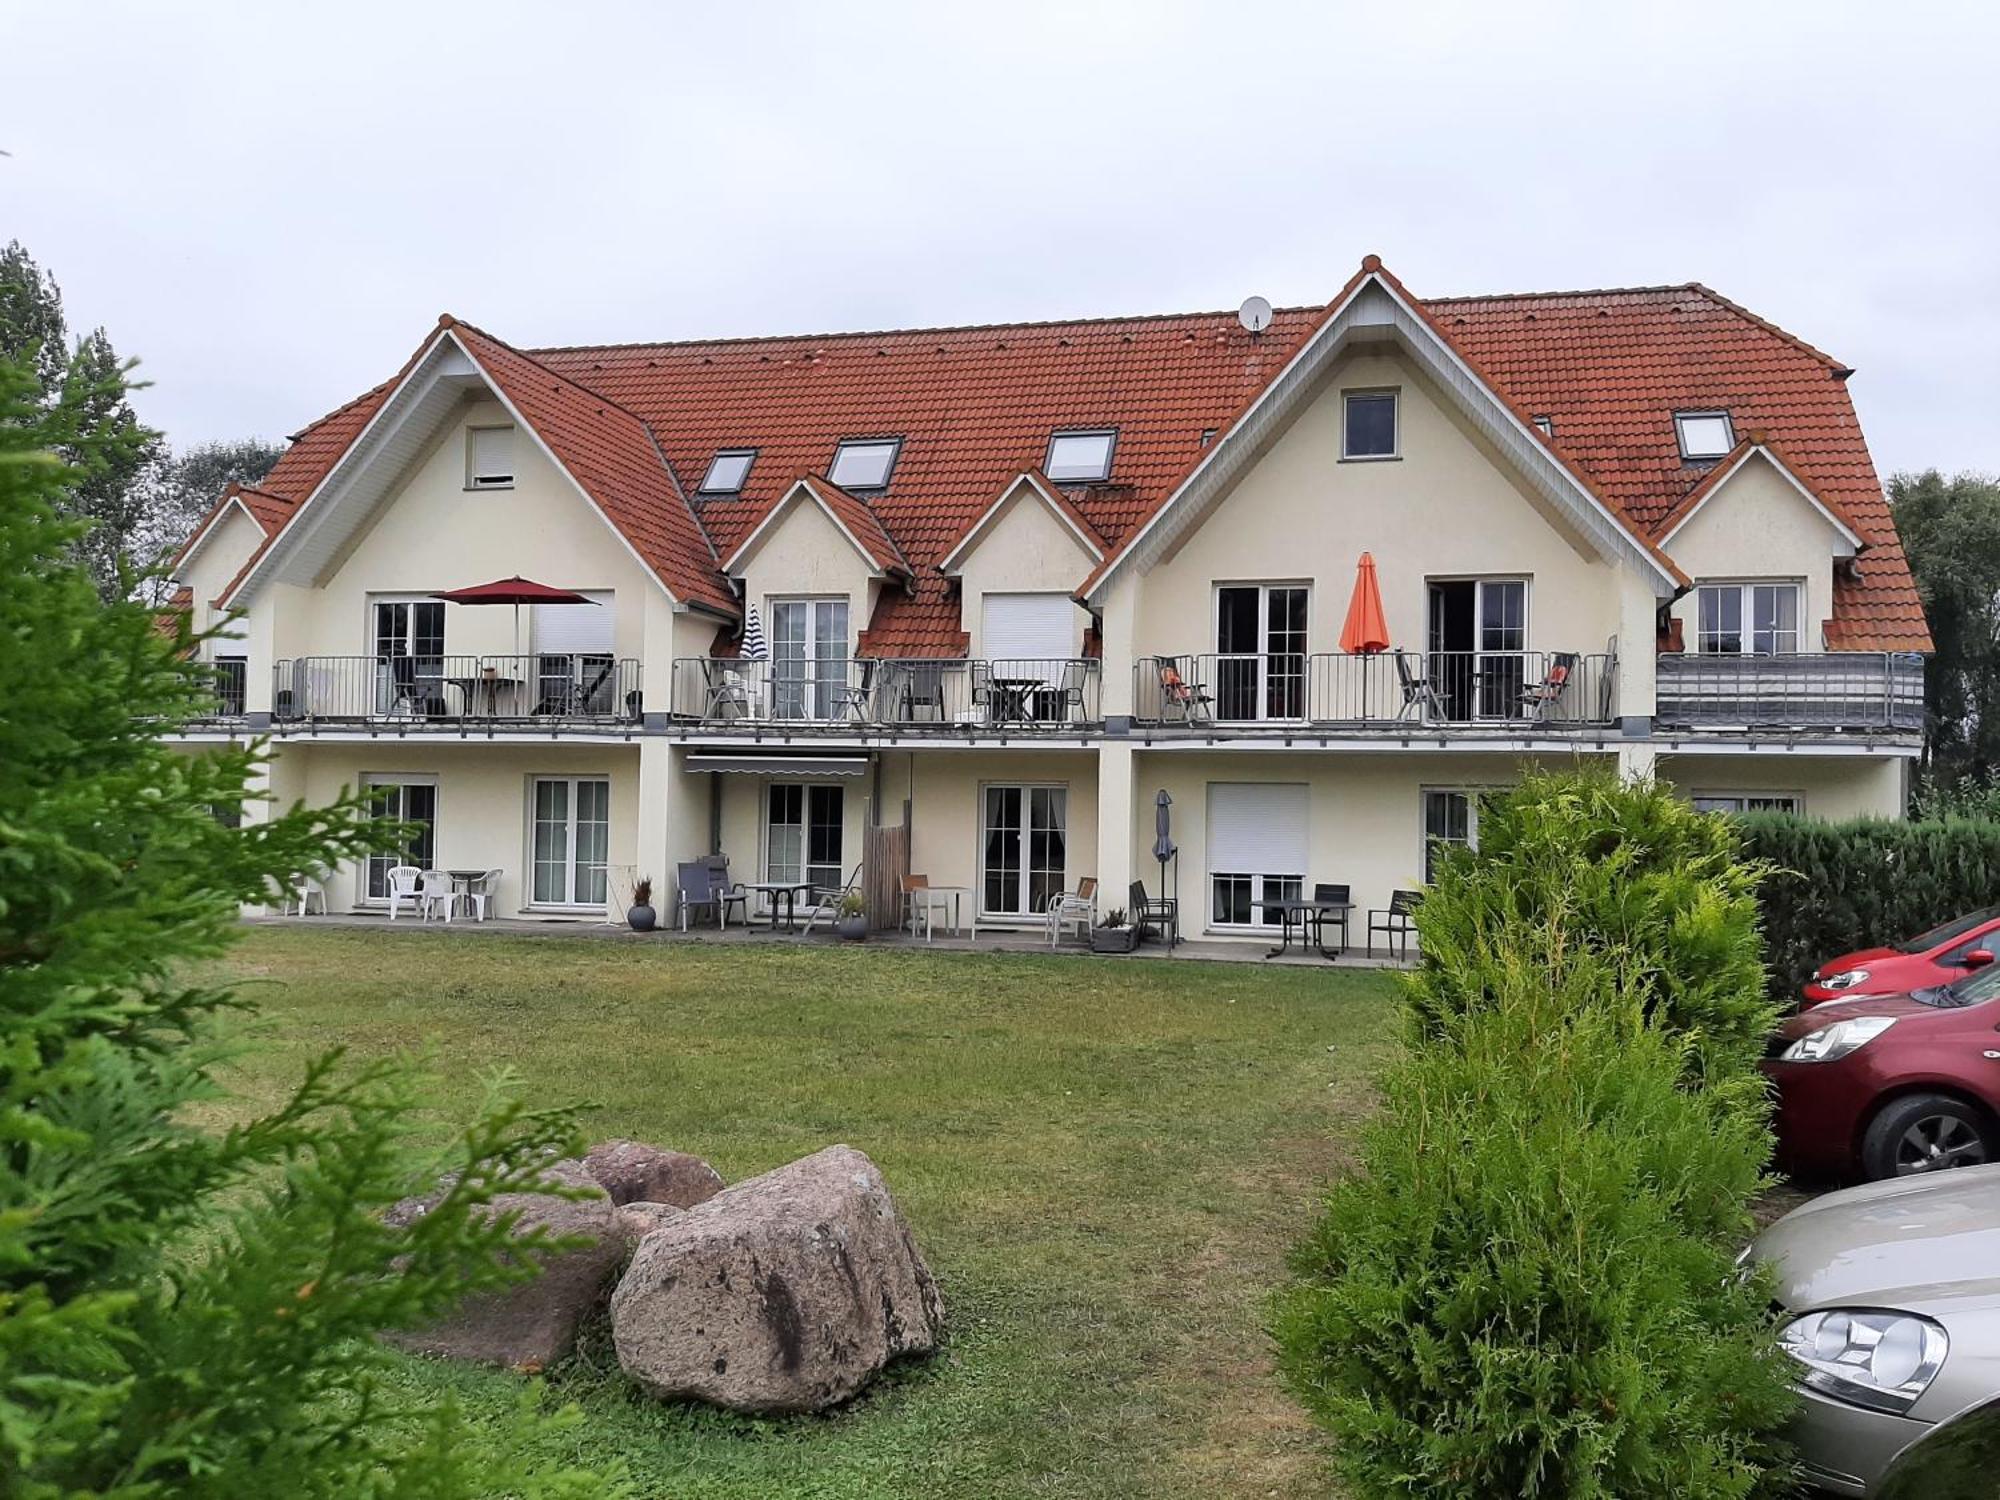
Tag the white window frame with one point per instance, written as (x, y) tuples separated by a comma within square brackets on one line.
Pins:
[(571, 867), (1744, 799), (1260, 921), (474, 480), (1746, 590), (1395, 396), (1100, 475), (1472, 794), (820, 689), (1688, 455), (806, 788), (893, 444), (749, 457), (1027, 789), (1264, 653), (396, 778)]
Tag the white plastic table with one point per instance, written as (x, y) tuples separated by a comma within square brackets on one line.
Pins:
[(929, 898)]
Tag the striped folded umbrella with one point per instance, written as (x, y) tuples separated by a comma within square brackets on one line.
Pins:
[(754, 647)]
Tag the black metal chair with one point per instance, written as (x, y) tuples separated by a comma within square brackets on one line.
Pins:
[(1159, 914), (922, 692), (726, 891), (1178, 694), (1419, 697), (1396, 922), (1336, 903)]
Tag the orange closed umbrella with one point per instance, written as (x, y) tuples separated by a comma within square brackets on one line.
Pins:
[(1366, 628)]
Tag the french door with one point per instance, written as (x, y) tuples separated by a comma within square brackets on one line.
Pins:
[(803, 831), (1478, 646), (808, 657), (402, 801), (409, 652), (1024, 849), (1260, 651), (572, 841)]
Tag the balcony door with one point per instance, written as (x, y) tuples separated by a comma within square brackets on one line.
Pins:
[(1260, 651), (1479, 646), (572, 840), (409, 654), (1736, 619), (808, 657), (803, 831), (1023, 849)]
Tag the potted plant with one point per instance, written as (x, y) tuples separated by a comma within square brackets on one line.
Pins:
[(851, 917), (641, 914), (1112, 935)]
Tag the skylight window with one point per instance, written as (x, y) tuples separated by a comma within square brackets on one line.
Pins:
[(1548, 426), (727, 471), (864, 463), (1081, 457), (1704, 434), (489, 458)]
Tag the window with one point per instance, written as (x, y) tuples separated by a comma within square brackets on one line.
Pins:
[(409, 656), (1023, 849), (1759, 619), (1450, 817), (864, 465), (1369, 425), (803, 833), (809, 662), (1260, 644), (1256, 850), (1748, 802), (572, 840), (727, 471), (1478, 641), (1081, 457), (1548, 426), (1704, 434), (489, 458), (402, 799), (1207, 436)]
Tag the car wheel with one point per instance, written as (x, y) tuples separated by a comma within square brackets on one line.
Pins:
[(1927, 1133)]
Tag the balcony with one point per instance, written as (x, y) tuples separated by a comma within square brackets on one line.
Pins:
[(868, 695), (1856, 690), (1509, 692), (540, 691)]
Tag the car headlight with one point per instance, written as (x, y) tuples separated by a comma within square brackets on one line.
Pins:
[(1881, 1360), (1831, 1043), (1847, 979)]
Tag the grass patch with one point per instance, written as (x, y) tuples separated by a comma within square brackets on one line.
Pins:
[(1104, 1162)]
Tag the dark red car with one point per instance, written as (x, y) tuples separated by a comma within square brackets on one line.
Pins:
[(1939, 956), (1888, 1085)]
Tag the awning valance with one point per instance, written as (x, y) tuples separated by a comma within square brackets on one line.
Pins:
[(781, 765)]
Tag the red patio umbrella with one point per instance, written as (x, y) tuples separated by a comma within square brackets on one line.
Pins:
[(516, 591), (1367, 628)]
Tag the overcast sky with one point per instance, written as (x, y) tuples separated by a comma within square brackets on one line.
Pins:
[(270, 204)]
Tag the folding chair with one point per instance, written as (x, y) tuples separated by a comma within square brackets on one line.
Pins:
[(1419, 697), (1542, 699), (1178, 694)]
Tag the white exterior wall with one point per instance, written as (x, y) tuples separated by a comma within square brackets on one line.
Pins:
[(1447, 508), (1832, 787), (219, 559), (806, 556), (1756, 525), (1026, 550)]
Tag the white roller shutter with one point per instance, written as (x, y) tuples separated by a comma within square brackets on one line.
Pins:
[(1029, 627), (1256, 829), (574, 629)]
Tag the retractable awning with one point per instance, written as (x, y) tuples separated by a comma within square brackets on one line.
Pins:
[(781, 765)]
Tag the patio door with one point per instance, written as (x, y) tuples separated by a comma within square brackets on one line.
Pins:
[(409, 653), (1260, 651), (403, 800), (803, 832), (571, 842), (808, 657), (1479, 646), (1024, 849)]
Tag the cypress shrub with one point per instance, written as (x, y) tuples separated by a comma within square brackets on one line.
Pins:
[(1836, 887)]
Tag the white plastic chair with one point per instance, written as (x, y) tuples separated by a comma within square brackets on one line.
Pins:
[(1077, 908), (309, 891), (403, 886), (435, 889), (477, 894)]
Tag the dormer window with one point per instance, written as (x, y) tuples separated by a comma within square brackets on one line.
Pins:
[(727, 472), (489, 458), (864, 463), (1704, 434), (1368, 425), (1081, 457)]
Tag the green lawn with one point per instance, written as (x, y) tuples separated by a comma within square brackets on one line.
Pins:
[(1104, 1163)]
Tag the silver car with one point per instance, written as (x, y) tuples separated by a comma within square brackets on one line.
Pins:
[(1893, 1292)]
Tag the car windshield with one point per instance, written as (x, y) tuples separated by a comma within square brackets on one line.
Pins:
[(1958, 927), (1981, 984)]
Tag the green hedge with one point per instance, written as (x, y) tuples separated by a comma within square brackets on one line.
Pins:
[(1841, 886), (1527, 1290)]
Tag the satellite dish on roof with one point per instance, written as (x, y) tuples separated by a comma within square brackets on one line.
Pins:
[(1254, 314)]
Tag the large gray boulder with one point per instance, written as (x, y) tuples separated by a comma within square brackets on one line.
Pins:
[(632, 1172), (529, 1326), (785, 1293)]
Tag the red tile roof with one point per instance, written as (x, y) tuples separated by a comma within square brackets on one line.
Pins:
[(975, 407)]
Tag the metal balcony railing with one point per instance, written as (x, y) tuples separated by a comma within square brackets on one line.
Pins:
[(1382, 690), (538, 688), (1796, 690), (834, 693)]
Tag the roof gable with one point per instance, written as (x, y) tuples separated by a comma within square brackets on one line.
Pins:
[(1035, 484), (1755, 447), (851, 517)]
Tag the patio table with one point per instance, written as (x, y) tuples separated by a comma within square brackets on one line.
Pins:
[(930, 899), (1307, 915), (785, 891), (462, 882), (486, 688), (1021, 700)]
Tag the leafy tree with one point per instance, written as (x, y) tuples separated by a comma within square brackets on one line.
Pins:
[(177, 489), (1951, 533), (186, 1311), (31, 316)]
